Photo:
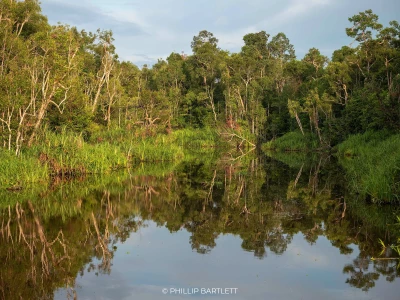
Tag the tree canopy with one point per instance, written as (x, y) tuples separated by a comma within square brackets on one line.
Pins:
[(57, 77)]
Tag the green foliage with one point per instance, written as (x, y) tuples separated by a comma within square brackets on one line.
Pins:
[(264, 204), (294, 159), (160, 148), (396, 246), (196, 139), (19, 171), (363, 113), (68, 154), (71, 83), (372, 164), (363, 23), (293, 141), (69, 107)]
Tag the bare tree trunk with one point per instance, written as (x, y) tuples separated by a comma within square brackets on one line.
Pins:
[(211, 98), (107, 67), (45, 103), (99, 86), (7, 122), (317, 126), (299, 123), (40, 116)]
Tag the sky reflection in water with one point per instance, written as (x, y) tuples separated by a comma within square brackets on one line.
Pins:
[(153, 259)]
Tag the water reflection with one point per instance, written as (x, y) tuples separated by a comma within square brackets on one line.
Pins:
[(73, 229)]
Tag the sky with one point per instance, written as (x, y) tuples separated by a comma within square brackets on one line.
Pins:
[(146, 31)]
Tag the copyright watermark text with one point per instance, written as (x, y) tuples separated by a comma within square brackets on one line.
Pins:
[(200, 291)]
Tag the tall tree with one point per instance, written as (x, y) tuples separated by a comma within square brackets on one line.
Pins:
[(208, 63)]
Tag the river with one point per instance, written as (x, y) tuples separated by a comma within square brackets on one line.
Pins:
[(286, 227)]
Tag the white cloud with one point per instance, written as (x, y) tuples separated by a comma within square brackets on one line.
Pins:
[(158, 27), (141, 59), (233, 40), (295, 9)]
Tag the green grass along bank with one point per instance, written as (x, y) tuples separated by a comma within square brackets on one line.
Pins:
[(68, 154), (371, 160)]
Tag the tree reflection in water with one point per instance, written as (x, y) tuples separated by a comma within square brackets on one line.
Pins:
[(46, 242)]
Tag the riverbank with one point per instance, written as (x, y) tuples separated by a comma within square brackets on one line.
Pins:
[(372, 164), (293, 141), (258, 203), (371, 161), (68, 154)]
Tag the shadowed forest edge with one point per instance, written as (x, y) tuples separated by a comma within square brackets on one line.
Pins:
[(69, 106)]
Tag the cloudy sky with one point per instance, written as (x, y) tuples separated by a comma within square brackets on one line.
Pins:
[(147, 30)]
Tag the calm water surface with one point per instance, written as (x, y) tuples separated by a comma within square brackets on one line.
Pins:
[(254, 228)]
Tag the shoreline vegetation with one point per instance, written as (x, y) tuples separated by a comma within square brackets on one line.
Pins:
[(68, 155), (371, 160), (69, 106), (101, 212), (372, 164)]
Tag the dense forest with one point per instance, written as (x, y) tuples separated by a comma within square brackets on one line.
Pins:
[(57, 76), (178, 139), (57, 81)]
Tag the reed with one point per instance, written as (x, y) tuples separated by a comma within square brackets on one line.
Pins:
[(15, 171), (293, 141), (372, 164), (68, 154), (197, 139), (159, 148)]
